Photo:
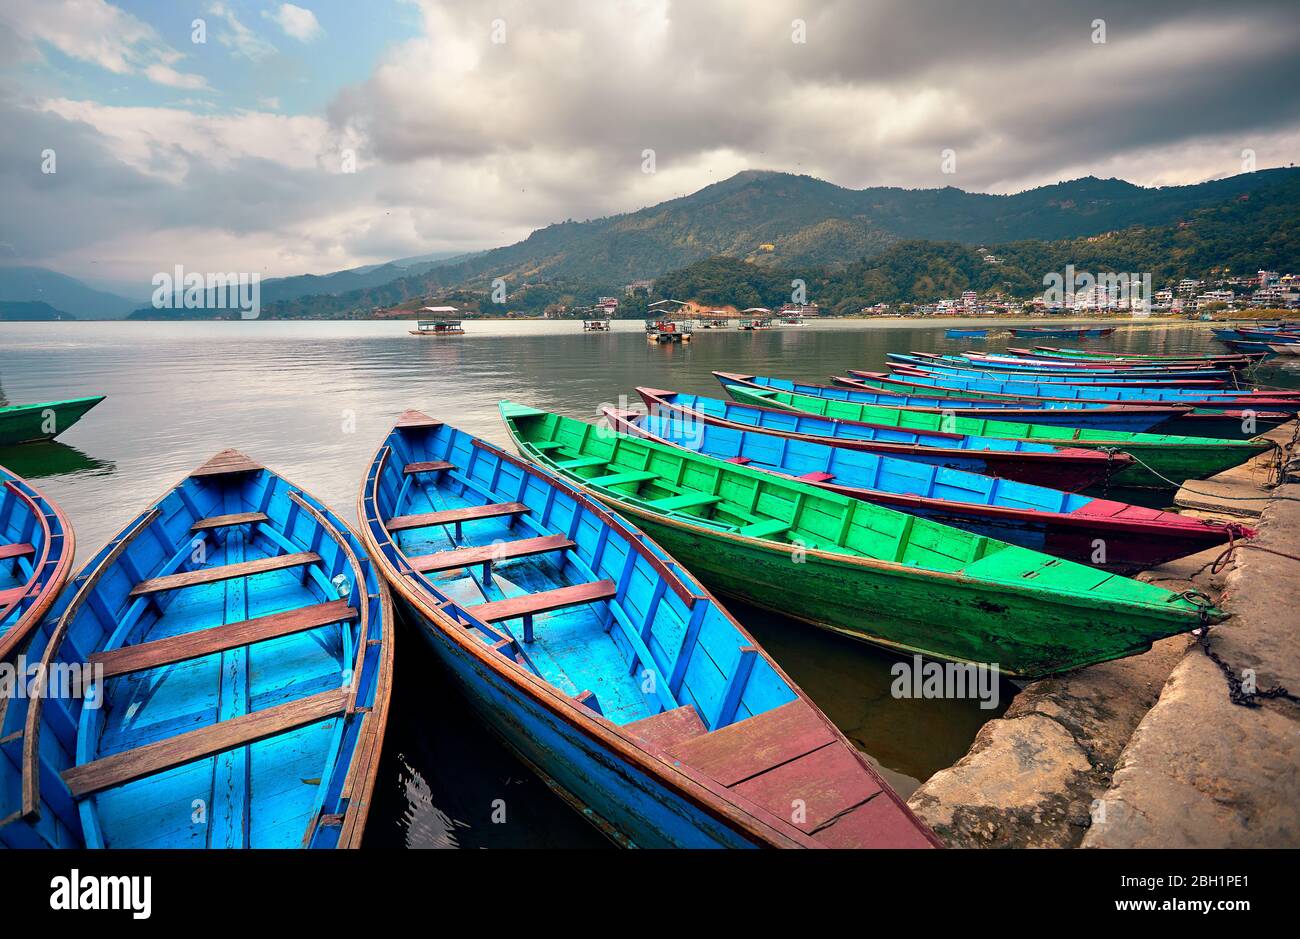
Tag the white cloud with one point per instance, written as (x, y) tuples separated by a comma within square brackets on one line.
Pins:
[(242, 41), (97, 32), (296, 22)]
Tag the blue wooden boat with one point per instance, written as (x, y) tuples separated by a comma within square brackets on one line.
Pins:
[(604, 664), (1064, 524), (217, 676), (1224, 406), (996, 363), (1062, 332), (1055, 413), (1067, 468), (36, 551), (966, 334), (1106, 381)]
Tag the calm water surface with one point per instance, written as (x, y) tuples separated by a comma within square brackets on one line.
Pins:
[(314, 400)]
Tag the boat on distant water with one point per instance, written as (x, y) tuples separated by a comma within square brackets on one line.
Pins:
[(1062, 332), (1063, 414), (1286, 348), (29, 423), (893, 579), (230, 648), (1065, 524), (1160, 460), (597, 325), (966, 334), (668, 331), (36, 551), (604, 664), (755, 317), (437, 329), (1060, 468)]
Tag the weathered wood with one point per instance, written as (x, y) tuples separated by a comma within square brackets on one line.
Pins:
[(220, 638), (226, 462), (482, 554), (10, 551), (544, 602), (755, 745), (121, 768), (229, 521), (827, 782), (212, 575), (414, 419), (433, 466), (451, 516), (12, 595), (669, 728)]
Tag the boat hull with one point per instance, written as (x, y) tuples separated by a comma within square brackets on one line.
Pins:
[(29, 423), (848, 389), (1025, 637), (1130, 538), (624, 803)]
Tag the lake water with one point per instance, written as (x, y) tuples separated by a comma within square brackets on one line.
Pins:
[(314, 400)]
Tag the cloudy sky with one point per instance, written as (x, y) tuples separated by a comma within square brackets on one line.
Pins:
[(285, 138)]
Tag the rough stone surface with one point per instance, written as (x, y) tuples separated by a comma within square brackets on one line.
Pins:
[(1148, 751), (1201, 771)]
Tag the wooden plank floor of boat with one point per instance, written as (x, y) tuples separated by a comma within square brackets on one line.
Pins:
[(789, 761)]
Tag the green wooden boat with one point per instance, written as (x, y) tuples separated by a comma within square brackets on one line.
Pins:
[(870, 572), (1162, 461), (27, 423)]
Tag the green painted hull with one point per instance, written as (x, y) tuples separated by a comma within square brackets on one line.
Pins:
[(860, 569), (27, 423), (1170, 459)]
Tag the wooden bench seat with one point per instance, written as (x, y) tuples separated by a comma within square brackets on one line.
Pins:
[(816, 477), (689, 500), (203, 642), (547, 445), (486, 554), (456, 516), (739, 460), (766, 528), (229, 521), (212, 575), (582, 462), (436, 466), (544, 602), (130, 765), (10, 551), (12, 595), (617, 479)]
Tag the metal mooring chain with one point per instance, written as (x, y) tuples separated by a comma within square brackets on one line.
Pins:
[(1236, 694)]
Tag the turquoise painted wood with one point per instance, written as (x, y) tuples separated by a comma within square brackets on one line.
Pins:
[(603, 663), (216, 677)]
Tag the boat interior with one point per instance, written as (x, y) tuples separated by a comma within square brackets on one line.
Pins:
[(33, 542), (209, 682), (550, 581)]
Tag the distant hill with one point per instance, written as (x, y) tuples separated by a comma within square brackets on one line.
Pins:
[(1252, 230), (27, 311), (61, 292)]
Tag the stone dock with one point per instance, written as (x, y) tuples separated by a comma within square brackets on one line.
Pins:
[(1151, 751)]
